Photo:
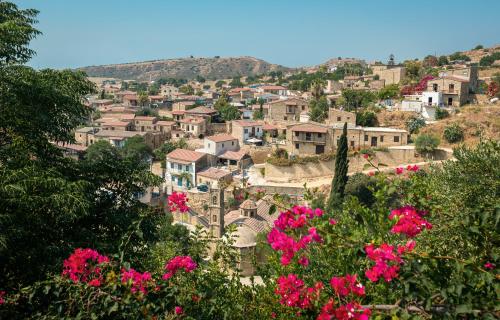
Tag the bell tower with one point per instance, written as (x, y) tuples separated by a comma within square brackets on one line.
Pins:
[(216, 212)]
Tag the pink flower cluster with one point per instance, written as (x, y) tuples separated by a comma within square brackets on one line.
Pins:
[(178, 310), (386, 260), (280, 241), (2, 299), (350, 310), (344, 286), (139, 281), (177, 201), (294, 293), (83, 265), (409, 221), (296, 217), (413, 168), (176, 263)]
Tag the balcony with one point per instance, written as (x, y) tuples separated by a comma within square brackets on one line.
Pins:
[(309, 139)]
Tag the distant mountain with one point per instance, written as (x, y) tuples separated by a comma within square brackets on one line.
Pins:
[(185, 68)]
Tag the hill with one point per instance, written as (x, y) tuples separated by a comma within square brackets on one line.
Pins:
[(185, 68)]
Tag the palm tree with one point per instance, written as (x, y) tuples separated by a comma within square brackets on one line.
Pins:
[(317, 88)]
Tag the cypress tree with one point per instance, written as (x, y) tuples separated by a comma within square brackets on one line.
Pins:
[(340, 177)]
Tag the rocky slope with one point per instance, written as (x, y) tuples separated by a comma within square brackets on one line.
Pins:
[(185, 68)]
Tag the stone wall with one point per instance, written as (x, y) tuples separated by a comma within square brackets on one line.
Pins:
[(395, 156)]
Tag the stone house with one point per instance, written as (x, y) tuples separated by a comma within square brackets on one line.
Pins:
[(390, 75), (272, 89), (145, 123), (82, 135), (168, 90), (455, 90), (220, 143), (195, 126), (340, 116), (469, 73), (286, 110), (118, 126), (131, 100), (308, 138), (244, 130), (213, 177), (118, 138)]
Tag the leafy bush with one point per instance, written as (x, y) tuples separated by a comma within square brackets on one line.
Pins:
[(426, 143), (360, 185), (441, 114), (366, 119), (453, 133), (489, 59), (414, 124)]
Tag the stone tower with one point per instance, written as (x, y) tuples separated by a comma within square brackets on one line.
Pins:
[(216, 212)]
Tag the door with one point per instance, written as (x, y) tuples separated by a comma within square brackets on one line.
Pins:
[(320, 149), (374, 142), (450, 101), (430, 101)]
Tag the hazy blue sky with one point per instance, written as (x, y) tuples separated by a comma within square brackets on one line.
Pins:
[(288, 32)]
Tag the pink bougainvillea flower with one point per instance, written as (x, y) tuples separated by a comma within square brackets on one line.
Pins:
[(303, 261), (413, 168), (178, 310), (343, 286), (139, 281), (371, 173), (177, 201), (399, 170), (366, 155), (409, 221), (2, 299), (351, 310), (387, 260), (84, 265), (294, 293), (179, 262), (489, 265)]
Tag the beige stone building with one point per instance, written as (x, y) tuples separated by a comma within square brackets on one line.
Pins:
[(390, 75), (340, 116), (245, 130), (84, 136), (469, 73), (118, 138), (286, 110), (314, 138), (145, 123), (117, 125), (213, 177), (455, 90), (195, 126)]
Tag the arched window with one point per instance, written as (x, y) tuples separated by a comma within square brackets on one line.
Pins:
[(214, 200)]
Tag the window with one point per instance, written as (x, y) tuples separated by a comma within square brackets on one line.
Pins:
[(214, 200), (320, 135), (339, 118), (297, 146), (246, 130), (366, 137), (171, 165), (435, 87), (381, 138), (297, 133), (308, 136), (258, 129), (232, 143), (451, 87), (303, 108), (352, 144), (285, 118), (214, 218), (396, 138), (223, 145)]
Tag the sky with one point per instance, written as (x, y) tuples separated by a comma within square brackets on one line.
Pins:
[(292, 33)]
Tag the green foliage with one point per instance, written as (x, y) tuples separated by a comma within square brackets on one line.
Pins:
[(187, 89), (258, 115), (426, 143), (453, 133), (318, 109), (354, 99), (360, 185), (147, 111), (366, 119), (443, 61), (200, 79), (236, 82), (441, 113), (220, 83), (226, 111), (414, 124), (136, 147), (489, 59), (160, 154), (478, 47), (389, 92), (459, 56), (340, 176)]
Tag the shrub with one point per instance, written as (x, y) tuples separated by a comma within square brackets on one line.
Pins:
[(441, 113), (366, 119), (414, 124), (426, 143), (359, 186), (453, 133)]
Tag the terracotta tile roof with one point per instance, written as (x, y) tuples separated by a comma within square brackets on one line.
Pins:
[(248, 204), (214, 173), (158, 97), (237, 90), (165, 123), (193, 120), (221, 138), (290, 101), (201, 110), (185, 155), (310, 128), (263, 221), (130, 97), (268, 126), (127, 116), (273, 88), (248, 123), (145, 118), (233, 155), (179, 112), (116, 124), (186, 103)]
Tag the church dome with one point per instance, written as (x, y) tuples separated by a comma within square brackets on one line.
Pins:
[(248, 204)]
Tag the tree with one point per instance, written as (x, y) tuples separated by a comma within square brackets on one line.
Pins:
[(366, 119), (354, 99), (413, 69), (479, 47), (136, 147), (187, 89), (228, 112), (441, 113), (317, 88), (236, 82), (102, 95), (389, 92), (200, 79), (430, 61), (142, 98), (489, 59), (459, 56), (453, 133), (443, 61), (146, 111), (359, 185), (220, 83), (318, 109), (426, 143), (414, 124), (340, 176)]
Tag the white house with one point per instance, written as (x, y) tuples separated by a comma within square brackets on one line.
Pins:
[(182, 166), (220, 143)]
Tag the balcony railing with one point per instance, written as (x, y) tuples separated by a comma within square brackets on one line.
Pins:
[(314, 140)]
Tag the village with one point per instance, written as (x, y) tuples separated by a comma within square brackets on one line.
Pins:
[(209, 139)]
